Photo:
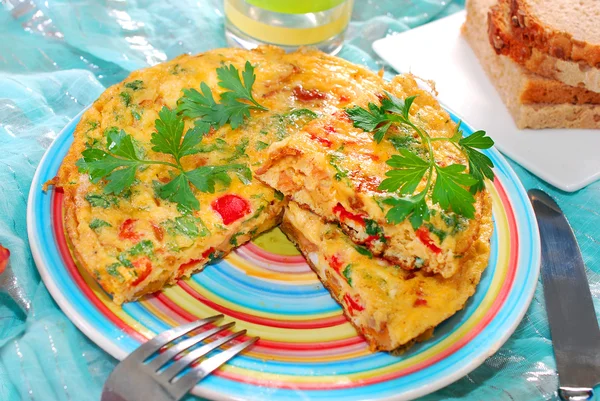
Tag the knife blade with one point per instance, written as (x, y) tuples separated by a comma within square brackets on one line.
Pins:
[(573, 324)]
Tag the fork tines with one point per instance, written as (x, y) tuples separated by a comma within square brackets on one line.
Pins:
[(169, 374)]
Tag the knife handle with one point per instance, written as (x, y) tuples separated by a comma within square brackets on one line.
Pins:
[(576, 393)]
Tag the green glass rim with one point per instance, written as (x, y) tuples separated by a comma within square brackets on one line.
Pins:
[(296, 7)]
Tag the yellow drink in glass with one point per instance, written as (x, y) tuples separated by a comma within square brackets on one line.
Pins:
[(287, 23)]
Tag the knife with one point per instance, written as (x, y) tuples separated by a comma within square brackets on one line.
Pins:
[(573, 324)]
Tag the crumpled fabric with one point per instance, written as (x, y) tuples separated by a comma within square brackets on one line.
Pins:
[(57, 56)]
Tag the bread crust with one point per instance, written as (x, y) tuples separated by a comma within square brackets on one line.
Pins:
[(562, 45), (582, 82)]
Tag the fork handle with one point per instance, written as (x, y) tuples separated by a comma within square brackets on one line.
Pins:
[(109, 395)]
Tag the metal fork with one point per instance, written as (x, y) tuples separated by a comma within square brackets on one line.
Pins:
[(140, 378)]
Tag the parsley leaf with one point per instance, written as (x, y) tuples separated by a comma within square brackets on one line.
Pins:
[(205, 177), (369, 120), (169, 130), (235, 103), (102, 201), (101, 164), (201, 106), (397, 105), (409, 172), (480, 166), (334, 160), (229, 79), (448, 190), (167, 138), (414, 208), (178, 190)]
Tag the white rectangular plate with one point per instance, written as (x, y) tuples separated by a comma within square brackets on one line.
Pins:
[(569, 159)]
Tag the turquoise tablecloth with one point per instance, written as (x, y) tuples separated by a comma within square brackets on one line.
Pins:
[(57, 56)]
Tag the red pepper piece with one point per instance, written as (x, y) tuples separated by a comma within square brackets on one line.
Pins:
[(126, 231), (306, 95), (231, 208), (353, 304), (336, 264), (420, 302), (323, 141), (423, 235), (330, 129), (346, 215), (372, 238), (142, 262), (184, 266)]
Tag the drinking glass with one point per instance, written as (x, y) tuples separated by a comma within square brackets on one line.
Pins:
[(287, 23)]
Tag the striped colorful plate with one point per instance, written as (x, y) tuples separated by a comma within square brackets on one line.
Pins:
[(307, 349)]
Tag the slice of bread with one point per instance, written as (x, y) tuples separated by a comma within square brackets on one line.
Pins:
[(512, 80), (565, 29), (504, 41)]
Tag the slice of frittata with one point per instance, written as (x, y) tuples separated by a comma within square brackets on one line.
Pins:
[(390, 307), (335, 169)]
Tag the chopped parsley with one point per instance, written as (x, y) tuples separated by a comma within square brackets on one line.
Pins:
[(102, 201), (95, 224), (113, 270), (348, 274), (334, 162), (144, 247), (364, 251), (135, 85), (441, 234), (240, 151), (124, 261), (188, 226), (126, 98), (374, 229), (233, 240), (260, 145), (257, 213)]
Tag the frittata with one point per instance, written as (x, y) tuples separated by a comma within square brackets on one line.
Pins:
[(137, 239), (391, 307), (335, 169)]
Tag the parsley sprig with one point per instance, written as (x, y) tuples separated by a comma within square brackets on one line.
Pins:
[(121, 159), (235, 102), (452, 186)]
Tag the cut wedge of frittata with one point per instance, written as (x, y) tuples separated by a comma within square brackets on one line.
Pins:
[(336, 170), (390, 307)]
